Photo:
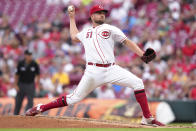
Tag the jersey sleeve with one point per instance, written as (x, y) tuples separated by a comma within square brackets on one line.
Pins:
[(80, 35), (118, 35)]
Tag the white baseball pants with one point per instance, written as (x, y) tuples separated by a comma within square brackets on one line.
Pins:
[(96, 76)]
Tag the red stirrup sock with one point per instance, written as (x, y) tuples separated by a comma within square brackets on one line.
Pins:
[(140, 96), (59, 102)]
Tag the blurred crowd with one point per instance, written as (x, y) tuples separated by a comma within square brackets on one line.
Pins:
[(167, 26)]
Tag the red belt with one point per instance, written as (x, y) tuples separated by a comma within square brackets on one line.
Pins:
[(101, 65)]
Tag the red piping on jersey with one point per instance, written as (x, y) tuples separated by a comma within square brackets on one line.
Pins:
[(123, 39), (99, 45), (97, 51)]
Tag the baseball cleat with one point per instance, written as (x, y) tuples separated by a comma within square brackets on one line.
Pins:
[(34, 111), (151, 122)]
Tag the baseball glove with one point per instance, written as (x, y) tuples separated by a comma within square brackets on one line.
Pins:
[(148, 55)]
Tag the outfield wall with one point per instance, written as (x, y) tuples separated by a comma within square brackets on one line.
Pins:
[(117, 109), (185, 111)]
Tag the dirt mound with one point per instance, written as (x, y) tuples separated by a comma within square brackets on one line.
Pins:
[(57, 122), (60, 122)]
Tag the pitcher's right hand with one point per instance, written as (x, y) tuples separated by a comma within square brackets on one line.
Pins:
[(71, 11)]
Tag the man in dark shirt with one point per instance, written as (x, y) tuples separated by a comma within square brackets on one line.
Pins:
[(26, 73)]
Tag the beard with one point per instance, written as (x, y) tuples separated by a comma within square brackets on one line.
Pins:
[(100, 22)]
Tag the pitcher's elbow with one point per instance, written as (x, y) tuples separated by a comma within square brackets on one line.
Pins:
[(75, 39)]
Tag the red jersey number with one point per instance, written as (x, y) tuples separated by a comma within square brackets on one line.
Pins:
[(89, 35)]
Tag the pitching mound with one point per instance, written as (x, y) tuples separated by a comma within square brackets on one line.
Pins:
[(61, 122)]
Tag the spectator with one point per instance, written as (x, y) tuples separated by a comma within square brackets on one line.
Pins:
[(105, 92), (153, 42), (193, 93), (37, 46), (168, 26), (47, 84), (60, 79), (189, 48)]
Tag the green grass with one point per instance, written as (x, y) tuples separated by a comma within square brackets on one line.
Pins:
[(100, 129), (182, 124)]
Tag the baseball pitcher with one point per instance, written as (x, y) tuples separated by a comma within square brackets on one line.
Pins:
[(98, 41)]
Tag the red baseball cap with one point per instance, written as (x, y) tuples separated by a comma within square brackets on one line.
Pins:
[(97, 8)]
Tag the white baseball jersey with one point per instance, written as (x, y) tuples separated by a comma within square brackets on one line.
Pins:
[(99, 42), (99, 48)]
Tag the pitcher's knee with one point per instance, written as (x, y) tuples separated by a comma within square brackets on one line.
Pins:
[(139, 85)]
